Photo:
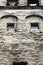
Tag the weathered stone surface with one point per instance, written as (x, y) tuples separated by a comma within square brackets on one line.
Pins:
[(24, 44)]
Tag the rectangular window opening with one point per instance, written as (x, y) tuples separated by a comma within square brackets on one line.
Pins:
[(33, 2), (10, 26), (19, 63), (34, 25)]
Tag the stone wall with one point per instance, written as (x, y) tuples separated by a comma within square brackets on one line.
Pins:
[(20, 2), (23, 44), (3, 2)]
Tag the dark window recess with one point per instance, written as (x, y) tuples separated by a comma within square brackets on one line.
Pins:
[(10, 25), (12, 2), (34, 26), (33, 2), (19, 63)]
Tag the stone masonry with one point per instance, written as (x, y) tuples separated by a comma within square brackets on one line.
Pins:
[(21, 43), (21, 33)]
